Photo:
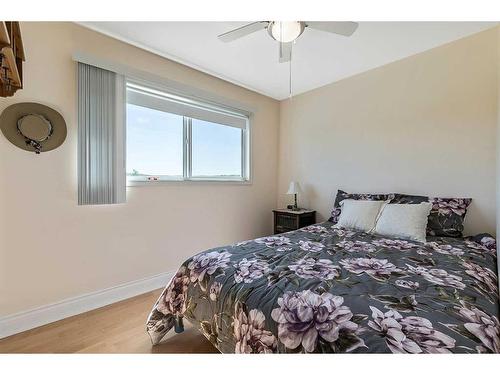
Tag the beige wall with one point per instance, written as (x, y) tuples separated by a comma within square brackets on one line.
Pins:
[(52, 249), (424, 125)]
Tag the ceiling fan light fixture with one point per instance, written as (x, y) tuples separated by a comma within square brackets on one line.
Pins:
[(285, 31)]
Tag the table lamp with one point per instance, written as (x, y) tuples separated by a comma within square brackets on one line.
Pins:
[(294, 189)]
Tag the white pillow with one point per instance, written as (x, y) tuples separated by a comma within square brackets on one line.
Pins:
[(408, 221), (359, 214)]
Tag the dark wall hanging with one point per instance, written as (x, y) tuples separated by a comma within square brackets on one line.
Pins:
[(11, 58), (33, 127)]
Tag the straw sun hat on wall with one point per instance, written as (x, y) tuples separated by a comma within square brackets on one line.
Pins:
[(33, 127)]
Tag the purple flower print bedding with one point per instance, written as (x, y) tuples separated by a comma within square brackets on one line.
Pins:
[(323, 289)]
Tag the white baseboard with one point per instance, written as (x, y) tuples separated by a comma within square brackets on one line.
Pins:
[(23, 321)]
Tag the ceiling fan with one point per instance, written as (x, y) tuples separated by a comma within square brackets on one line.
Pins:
[(286, 32)]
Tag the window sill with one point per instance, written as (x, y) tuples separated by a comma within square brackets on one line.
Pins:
[(187, 182)]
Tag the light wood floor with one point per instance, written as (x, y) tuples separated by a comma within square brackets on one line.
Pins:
[(117, 328)]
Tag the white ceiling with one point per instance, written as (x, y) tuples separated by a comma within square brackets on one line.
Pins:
[(319, 58)]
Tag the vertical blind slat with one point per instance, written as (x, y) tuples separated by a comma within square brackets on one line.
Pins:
[(97, 122)]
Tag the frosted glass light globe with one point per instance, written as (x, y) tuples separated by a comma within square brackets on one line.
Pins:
[(286, 31)]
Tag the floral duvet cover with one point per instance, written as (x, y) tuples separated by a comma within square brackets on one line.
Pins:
[(329, 290)]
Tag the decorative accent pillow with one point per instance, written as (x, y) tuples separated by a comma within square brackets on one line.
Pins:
[(342, 195), (447, 215), (359, 214), (407, 221)]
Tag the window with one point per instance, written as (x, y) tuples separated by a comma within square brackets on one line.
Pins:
[(174, 138)]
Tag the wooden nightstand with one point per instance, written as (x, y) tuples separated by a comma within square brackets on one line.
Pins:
[(288, 220)]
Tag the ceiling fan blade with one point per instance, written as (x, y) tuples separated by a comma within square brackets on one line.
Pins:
[(243, 31), (341, 28), (285, 52)]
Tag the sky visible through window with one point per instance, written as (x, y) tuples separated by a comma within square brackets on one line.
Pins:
[(154, 142), (155, 145), (216, 149)]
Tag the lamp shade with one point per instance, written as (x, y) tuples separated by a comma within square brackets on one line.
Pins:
[(294, 188)]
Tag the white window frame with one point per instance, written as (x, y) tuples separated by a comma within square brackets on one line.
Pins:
[(187, 177)]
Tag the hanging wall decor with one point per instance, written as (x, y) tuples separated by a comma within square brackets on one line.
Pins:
[(11, 58), (33, 127)]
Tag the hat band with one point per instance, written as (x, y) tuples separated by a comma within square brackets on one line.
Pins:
[(36, 144)]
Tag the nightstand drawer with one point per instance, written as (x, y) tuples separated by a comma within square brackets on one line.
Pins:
[(288, 220), (286, 223)]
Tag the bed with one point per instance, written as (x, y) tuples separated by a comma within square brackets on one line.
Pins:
[(323, 289)]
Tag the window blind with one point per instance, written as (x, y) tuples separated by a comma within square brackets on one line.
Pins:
[(201, 110), (101, 136)]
